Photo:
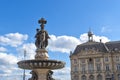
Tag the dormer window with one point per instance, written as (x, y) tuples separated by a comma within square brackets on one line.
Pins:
[(116, 49)]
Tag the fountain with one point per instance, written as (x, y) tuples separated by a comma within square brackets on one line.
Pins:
[(41, 67)]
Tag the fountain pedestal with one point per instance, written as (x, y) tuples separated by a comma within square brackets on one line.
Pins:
[(41, 54)]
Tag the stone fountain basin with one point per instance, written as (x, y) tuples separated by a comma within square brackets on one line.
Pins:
[(40, 64)]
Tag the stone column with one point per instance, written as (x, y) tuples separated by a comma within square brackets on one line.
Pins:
[(94, 65)]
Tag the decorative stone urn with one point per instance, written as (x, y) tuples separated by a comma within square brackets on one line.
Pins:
[(41, 66)]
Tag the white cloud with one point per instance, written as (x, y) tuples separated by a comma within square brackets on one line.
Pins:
[(62, 43), (103, 38), (8, 58), (2, 49), (13, 39), (105, 29), (84, 38), (30, 50), (7, 63), (62, 74)]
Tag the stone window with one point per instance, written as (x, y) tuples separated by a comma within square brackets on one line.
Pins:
[(99, 77), (75, 68), (107, 68), (83, 77), (98, 67), (118, 67), (83, 68), (117, 58), (91, 77), (76, 77), (75, 61), (108, 77), (90, 67)]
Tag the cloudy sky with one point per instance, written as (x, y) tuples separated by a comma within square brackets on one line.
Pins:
[(68, 22)]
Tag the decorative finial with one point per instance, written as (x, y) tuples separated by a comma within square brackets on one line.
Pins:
[(90, 35), (42, 21)]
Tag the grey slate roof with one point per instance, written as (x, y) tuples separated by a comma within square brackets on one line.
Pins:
[(113, 46), (98, 46)]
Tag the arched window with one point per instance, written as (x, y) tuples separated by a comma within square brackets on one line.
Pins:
[(76, 77), (91, 77), (99, 77), (83, 77), (118, 76), (108, 76)]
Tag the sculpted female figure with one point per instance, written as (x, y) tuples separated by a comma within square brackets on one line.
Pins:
[(41, 36)]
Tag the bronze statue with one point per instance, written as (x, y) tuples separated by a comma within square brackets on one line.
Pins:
[(41, 36)]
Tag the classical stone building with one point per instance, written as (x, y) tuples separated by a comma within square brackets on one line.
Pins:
[(96, 60)]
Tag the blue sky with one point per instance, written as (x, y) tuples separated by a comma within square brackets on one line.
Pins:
[(68, 21)]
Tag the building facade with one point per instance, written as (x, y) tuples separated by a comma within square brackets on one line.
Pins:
[(96, 60)]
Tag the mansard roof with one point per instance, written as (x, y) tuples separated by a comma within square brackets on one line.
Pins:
[(113, 46), (98, 46)]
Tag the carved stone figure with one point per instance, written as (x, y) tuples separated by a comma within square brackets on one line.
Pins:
[(37, 41), (34, 76), (41, 36), (49, 75)]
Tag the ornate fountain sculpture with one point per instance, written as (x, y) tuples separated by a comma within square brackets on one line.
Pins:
[(41, 66)]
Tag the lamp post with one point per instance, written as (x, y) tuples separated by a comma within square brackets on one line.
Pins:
[(24, 69)]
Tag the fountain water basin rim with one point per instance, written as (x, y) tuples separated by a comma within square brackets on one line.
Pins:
[(41, 64)]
